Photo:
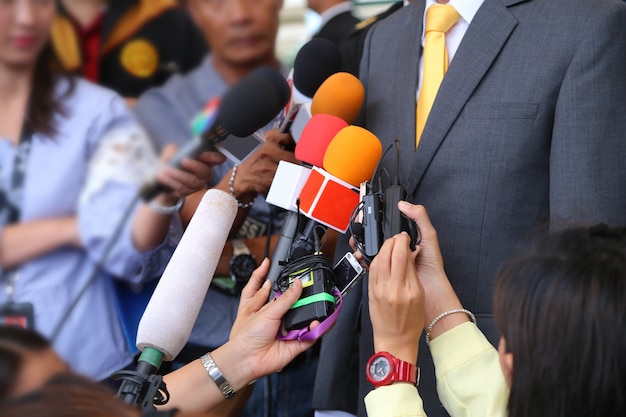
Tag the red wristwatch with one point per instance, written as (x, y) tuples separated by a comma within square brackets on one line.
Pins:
[(384, 369)]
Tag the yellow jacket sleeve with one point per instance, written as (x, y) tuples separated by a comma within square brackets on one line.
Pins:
[(469, 380)]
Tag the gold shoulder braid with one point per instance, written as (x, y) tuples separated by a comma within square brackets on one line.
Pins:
[(365, 23)]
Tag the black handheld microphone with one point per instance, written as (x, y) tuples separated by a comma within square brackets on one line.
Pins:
[(248, 106), (317, 60)]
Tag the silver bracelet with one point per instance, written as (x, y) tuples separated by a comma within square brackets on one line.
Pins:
[(231, 188), (216, 375), (447, 313), (167, 210)]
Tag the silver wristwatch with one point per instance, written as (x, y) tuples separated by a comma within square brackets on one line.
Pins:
[(216, 375)]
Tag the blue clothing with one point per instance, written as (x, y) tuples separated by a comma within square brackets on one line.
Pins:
[(61, 180), (166, 113)]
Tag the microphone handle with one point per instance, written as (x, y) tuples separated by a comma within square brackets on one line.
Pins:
[(141, 387), (306, 243), (283, 246)]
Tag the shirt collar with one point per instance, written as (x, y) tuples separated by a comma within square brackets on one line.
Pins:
[(466, 8)]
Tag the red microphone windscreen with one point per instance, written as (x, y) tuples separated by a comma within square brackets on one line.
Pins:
[(328, 200), (341, 95), (353, 155), (316, 135)]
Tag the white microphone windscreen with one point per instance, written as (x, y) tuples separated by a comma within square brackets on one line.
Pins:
[(174, 306), (287, 184)]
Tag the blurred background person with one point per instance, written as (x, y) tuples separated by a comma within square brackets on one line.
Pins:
[(336, 19), (241, 35), (72, 160), (351, 45), (126, 45)]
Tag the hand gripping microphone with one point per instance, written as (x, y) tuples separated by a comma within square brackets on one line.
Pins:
[(246, 107), (327, 199), (315, 62), (311, 144), (289, 180), (378, 217), (174, 306)]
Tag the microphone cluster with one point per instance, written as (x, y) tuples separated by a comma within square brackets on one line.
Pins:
[(317, 104), (321, 192)]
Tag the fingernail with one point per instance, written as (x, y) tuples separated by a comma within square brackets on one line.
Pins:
[(266, 284), (403, 205)]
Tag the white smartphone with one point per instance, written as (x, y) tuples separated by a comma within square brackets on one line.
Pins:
[(347, 273)]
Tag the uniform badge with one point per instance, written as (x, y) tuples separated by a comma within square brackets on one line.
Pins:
[(139, 58)]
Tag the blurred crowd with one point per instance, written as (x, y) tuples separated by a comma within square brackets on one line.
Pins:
[(96, 96)]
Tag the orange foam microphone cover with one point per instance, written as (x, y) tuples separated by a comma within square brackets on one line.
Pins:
[(353, 155), (341, 95), (319, 131)]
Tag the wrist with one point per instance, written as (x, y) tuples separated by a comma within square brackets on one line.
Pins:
[(72, 232), (166, 205), (447, 320), (214, 372), (244, 199), (384, 368), (405, 353), (234, 368)]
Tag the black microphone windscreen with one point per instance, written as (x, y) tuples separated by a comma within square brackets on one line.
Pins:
[(277, 80), (317, 60), (248, 106)]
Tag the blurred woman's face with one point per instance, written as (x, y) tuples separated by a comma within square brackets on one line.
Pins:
[(24, 30)]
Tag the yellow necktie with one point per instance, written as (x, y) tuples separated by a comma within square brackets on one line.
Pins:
[(439, 19)]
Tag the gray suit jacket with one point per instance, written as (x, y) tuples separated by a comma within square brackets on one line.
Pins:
[(528, 129)]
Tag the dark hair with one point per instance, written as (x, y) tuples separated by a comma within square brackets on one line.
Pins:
[(561, 307), (68, 394), (13, 341), (45, 102)]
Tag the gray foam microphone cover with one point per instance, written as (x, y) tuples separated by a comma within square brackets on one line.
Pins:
[(173, 309)]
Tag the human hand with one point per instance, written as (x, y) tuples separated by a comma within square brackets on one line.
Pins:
[(256, 173), (192, 176), (396, 299), (439, 295), (253, 335), (283, 140)]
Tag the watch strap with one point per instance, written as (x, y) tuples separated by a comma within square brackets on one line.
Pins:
[(216, 375), (405, 372)]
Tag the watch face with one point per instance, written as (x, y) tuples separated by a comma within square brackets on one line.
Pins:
[(241, 267), (380, 369)]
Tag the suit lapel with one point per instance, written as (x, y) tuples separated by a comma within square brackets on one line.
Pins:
[(405, 84), (485, 37)]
